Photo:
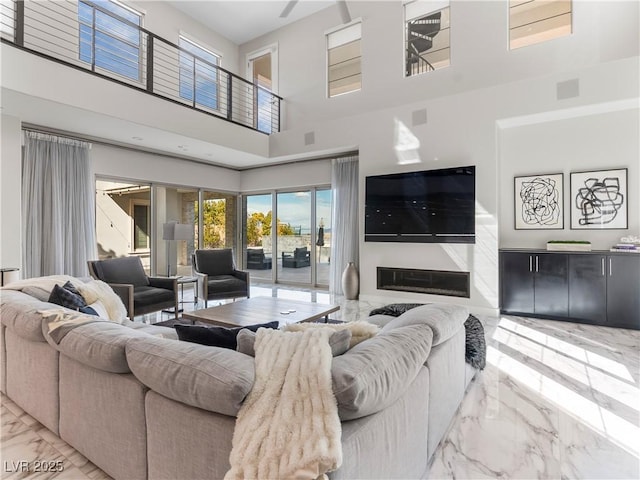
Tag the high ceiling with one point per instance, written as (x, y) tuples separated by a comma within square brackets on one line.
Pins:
[(243, 20)]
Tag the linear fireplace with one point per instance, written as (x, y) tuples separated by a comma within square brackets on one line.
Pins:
[(434, 282)]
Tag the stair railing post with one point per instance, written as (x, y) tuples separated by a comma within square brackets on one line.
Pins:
[(229, 96)]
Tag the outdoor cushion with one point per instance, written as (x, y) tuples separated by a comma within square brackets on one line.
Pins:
[(122, 270)]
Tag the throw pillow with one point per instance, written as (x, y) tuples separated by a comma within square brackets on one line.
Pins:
[(213, 336), (37, 292), (69, 286), (66, 298), (360, 330), (338, 341)]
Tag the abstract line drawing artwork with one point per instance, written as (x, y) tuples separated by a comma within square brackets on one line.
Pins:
[(599, 199), (539, 202)]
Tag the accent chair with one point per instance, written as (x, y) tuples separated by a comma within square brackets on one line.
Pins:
[(140, 293), (217, 275)]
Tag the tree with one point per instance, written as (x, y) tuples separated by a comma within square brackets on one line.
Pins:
[(214, 223), (259, 225)]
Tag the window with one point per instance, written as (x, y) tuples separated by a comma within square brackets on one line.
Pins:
[(535, 21), (141, 225), (427, 38), (110, 37), (198, 74), (344, 60)]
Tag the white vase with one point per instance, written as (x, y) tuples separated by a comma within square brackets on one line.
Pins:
[(350, 282)]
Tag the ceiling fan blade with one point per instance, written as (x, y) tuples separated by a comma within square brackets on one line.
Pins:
[(287, 10), (344, 11)]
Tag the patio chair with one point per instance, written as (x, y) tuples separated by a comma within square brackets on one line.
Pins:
[(301, 257), (217, 275), (256, 259), (140, 293)]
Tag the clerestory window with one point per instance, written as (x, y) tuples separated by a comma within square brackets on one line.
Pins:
[(535, 21), (427, 42), (110, 37), (199, 76), (344, 60)]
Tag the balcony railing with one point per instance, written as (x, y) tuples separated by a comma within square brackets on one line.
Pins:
[(87, 36)]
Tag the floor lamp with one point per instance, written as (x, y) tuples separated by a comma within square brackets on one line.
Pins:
[(174, 231)]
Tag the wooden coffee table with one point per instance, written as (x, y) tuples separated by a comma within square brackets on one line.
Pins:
[(261, 310)]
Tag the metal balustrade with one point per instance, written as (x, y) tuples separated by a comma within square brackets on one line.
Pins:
[(87, 36)]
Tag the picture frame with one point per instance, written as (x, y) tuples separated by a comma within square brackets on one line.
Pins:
[(539, 202), (599, 199)]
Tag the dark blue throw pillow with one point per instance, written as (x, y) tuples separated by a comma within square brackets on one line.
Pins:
[(88, 310), (69, 286), (213, 336), (66, 298)]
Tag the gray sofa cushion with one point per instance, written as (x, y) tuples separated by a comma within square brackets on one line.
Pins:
[(155, 330), (211, 378), (444, 319), (19, 313), (375, 373), (338, 341), (100, 345)]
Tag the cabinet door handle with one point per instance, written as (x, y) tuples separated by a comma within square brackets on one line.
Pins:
[(610, 267), (603, 274), (537, 269), (530, 263)]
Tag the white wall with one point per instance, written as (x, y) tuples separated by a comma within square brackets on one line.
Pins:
[(485, 86), (593, 142), (10, 192), (121, 163), (292, 175)]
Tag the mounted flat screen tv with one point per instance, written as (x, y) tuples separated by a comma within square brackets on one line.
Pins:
[(431, 206)]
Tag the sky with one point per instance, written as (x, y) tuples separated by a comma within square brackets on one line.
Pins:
[(294, 208)]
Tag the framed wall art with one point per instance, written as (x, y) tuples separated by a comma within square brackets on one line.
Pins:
[(599, 199), (539, 202)]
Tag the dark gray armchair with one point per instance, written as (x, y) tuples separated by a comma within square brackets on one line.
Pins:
[(217, 275), (256, 259), (140, 293)]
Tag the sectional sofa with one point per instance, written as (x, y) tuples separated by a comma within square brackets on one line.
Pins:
[(141, 404)]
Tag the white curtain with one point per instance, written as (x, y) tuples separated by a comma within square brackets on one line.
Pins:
[(58, 227), (345, 237)]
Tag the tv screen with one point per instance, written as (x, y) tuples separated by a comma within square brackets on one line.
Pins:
[(431, 206)]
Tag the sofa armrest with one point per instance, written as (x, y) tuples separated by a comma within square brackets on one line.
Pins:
[(125, 292), (170, 283)]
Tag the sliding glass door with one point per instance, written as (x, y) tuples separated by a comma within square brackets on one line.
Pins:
[(257, 242), (294, 237), (323, 236)]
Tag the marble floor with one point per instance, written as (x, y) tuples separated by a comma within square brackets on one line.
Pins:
[(557, 400)]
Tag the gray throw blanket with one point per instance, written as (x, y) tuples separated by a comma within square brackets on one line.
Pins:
[(475, 343)]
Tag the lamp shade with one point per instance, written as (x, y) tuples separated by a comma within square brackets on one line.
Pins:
[(176, 231)]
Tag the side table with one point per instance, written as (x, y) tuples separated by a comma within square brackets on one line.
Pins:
[(182, 281)]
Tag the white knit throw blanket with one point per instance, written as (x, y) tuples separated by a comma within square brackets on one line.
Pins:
[(91, 291), (288, 427)]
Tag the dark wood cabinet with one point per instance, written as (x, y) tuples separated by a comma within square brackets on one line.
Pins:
[(623, 291), (517, 293), (537, 283), (602, 288), (588, 288)]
